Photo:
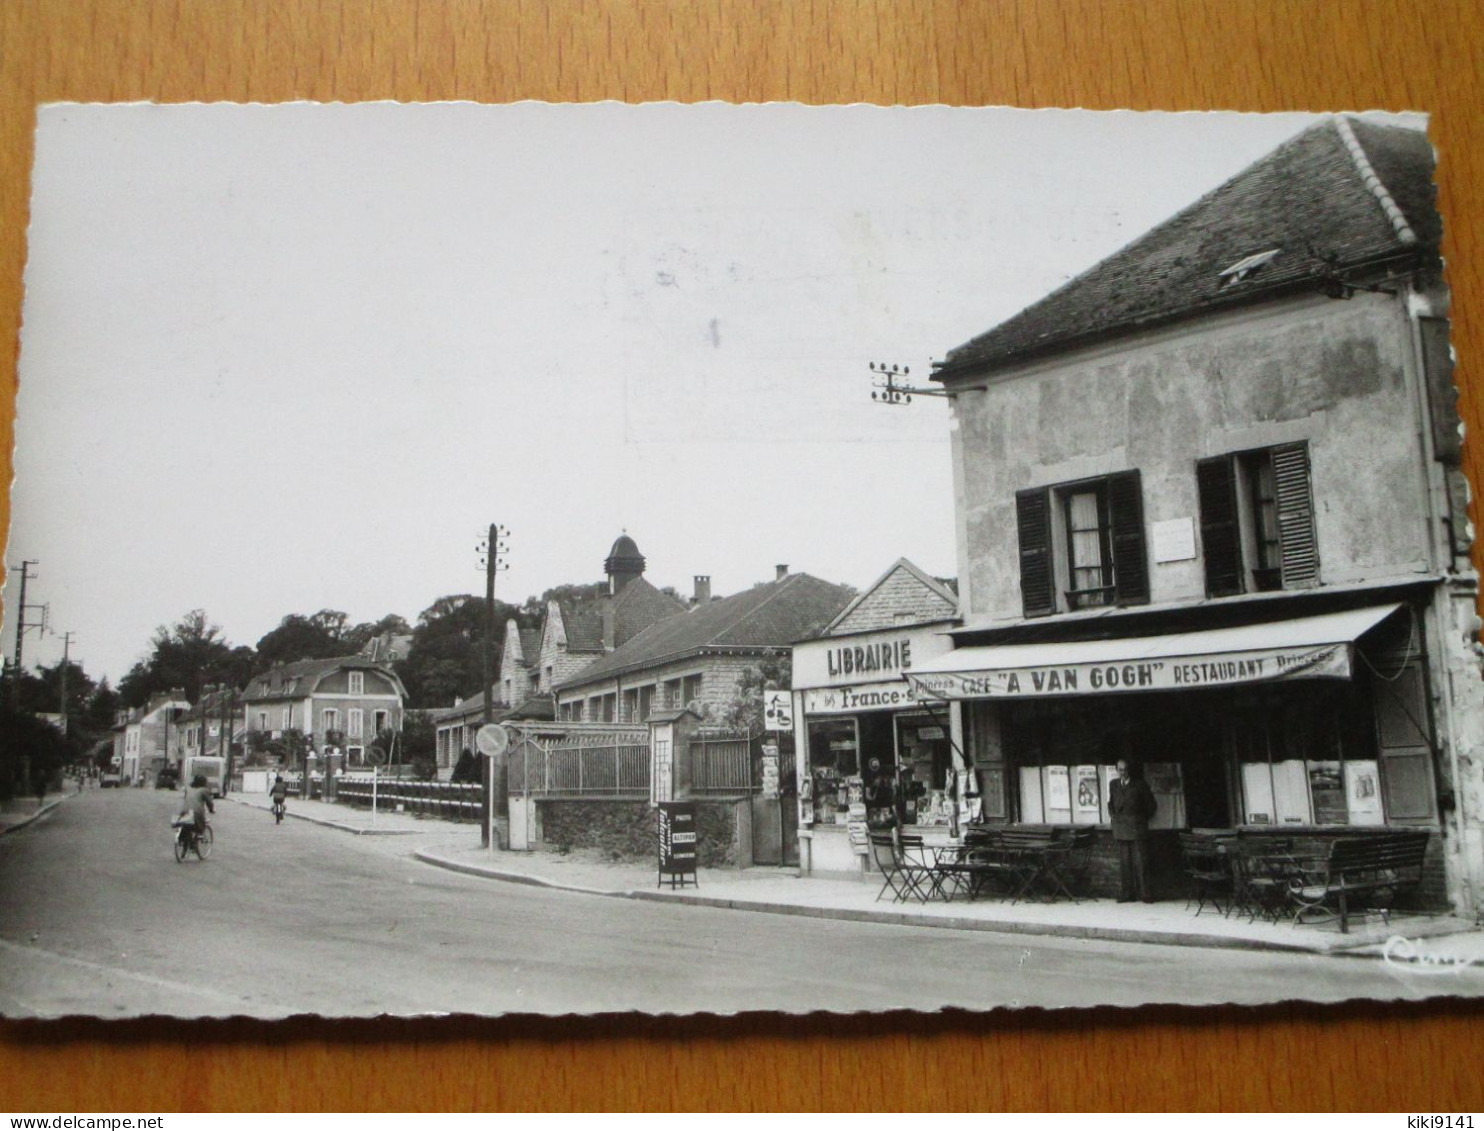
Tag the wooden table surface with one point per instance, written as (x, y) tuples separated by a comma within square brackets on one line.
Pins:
[(1226, 54)]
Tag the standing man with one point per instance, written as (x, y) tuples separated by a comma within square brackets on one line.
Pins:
[(1130, 805)]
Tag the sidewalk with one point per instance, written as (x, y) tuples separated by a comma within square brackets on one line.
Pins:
[(781, 891), (19, 812)]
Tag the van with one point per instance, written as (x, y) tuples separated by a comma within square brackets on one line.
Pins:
[(214, 770)]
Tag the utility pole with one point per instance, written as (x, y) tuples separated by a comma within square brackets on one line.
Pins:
[(66, 651), (494, 549), (21, 627)]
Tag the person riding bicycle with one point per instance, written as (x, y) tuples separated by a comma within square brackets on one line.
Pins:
[(197, 802), (279, 793)]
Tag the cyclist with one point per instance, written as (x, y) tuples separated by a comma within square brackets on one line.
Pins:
[(279, 793), (197, 802)]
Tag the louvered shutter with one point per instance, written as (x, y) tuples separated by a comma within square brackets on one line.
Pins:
[(1037, 585), (1130, 560), (1295, 516), (1221, 541)]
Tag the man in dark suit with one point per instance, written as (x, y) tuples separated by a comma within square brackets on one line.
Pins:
[(1130, 805)]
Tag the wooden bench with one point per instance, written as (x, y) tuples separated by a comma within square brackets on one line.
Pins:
[(1374, 867)]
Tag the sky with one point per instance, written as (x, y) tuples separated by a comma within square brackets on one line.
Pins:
[(283, 358)]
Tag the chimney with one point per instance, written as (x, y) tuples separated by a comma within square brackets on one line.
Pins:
[(782, 571), (703, 589), (610, 633)]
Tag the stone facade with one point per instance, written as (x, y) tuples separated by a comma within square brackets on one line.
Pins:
[(899, 598), (719, 676)]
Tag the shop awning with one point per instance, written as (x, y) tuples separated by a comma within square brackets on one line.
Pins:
[(1319, 647)]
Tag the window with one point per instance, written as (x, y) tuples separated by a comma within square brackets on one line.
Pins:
[(610, 707), (358, 683), (630, 706), (262, 720), (1082, 545), (330, 719), (1257, 521), (353, 722), (380, 721), (673, 699), (690, 690), (646, 703), (288, 717), (595, 708)]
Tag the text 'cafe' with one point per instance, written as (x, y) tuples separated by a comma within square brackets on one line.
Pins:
[(1313, 723)]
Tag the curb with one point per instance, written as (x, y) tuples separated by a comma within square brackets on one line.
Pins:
[(354, 830), (892, 918), (42, 812)]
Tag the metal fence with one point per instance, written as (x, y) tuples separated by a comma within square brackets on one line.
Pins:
[(445, 800), (721, 764), (606, 762)]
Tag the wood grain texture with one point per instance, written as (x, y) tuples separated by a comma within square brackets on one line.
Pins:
[(1232, 54)]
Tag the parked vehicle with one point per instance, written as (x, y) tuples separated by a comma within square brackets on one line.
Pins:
[(214, 770), (110, 779), (167, 777)]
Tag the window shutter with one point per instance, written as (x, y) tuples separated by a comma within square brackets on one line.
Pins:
[(1404, 747), (1130, 561), (1295, 515), (1037, 586), (1221, 543)]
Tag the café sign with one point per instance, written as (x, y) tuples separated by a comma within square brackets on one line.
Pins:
[(1173, 673)]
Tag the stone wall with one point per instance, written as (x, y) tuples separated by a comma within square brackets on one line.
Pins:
[(900, 598), (627, 830)]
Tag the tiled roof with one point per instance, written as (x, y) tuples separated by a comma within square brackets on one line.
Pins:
[(1343, 194), (275, 683), (583, 623), (530, 645), (638, 606), (774, 615)]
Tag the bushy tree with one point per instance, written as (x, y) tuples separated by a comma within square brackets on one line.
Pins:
[(447, 659), (300, 637), (186, 656), (744, 711)]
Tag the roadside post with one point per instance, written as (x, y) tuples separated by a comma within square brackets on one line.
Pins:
[(377, 756), (492, 740)]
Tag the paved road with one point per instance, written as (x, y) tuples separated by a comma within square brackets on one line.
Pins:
[(97, 918)]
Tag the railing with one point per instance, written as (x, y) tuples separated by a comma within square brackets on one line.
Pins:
[(445, 800), (721, 765), (581, 763)]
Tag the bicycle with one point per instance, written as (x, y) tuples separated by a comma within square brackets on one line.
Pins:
[(187, 841), (278, 811)]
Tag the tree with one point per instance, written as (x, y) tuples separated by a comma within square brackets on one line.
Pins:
[(302, 638), (744, 711), (362, 634), (185, 656), (447, 654)]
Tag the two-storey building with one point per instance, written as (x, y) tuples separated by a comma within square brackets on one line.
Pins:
[(1211, 518), (340, 704)]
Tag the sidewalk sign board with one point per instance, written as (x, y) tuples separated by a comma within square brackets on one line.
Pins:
[(677, 844)]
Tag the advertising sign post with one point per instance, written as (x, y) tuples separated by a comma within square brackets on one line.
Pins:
[(677, 843)]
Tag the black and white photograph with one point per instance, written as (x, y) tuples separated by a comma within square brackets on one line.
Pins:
[(549, 559)]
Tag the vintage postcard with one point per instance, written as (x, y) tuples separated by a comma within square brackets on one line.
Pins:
[(551, 559)]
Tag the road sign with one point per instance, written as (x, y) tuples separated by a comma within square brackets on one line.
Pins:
[(778, 713), (376, 756), (492, 740)]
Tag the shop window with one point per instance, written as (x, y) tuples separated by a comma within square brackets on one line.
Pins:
[(834, 766), (1308, 758), (924, 770), (1082, 545), (1257, 521)]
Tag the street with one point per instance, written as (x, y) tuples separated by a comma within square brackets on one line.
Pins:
[(96, 917)]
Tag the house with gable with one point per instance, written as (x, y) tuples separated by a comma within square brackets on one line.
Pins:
[(696, 660), (339, 704), (1211, 519), (864, 731)]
